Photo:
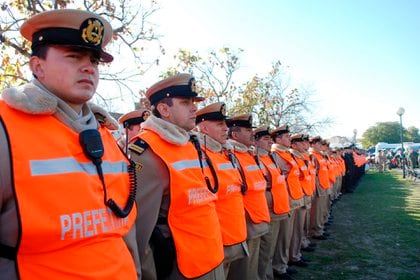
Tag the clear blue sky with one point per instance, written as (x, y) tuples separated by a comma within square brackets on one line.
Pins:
[(361, 57)]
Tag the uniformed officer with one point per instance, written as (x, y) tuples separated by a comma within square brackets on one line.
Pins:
[(65, 196), (307, 245), (256, 209), (307, 181), (320, 201), (290, 169), (277, 200), (211, 123), (179, 234), (131, 123)]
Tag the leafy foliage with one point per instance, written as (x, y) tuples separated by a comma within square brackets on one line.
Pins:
[(132, 34), (270, 98), (389, 132)]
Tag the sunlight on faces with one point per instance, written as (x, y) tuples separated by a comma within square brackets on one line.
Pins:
[(181, 113), (264, 142), (298, 146), (244, 135), (217, 130), (283, 139), (69, 73)]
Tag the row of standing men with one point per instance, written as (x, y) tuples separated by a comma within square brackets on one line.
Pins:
[(221, 199), (205, 207)]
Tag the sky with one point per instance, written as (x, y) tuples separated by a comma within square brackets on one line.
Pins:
[(361, 57)]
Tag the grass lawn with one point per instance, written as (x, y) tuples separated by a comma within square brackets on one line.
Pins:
[(375, 234)]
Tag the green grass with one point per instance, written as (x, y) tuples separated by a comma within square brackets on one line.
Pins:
[(375, 234)]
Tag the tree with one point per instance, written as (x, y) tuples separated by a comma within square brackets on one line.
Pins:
[(388, 132), (412, 134), (270, 98), (132, 34)]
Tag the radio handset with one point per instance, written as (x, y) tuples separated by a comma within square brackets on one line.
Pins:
[(91, 142)]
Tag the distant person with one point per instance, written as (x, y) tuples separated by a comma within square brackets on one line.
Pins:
[(381, 160), (131, 124), (412, 156)]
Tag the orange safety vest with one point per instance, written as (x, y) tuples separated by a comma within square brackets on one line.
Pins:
[(295, 188), (323, 176), (229, 203), (343, 166), (312, 169), (254, 198), (306, 179), (331, 170), (65, 228), (192, 216), (278, 186)]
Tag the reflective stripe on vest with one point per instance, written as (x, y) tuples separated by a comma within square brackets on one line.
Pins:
[(312, 170), (323, 176), (331, 170), (306, 179), (66, 229), (278, 187), (293, 182), (229, 203), (192, 215), (70, 165), (254, 198)]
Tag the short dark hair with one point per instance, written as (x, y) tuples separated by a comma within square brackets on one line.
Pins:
[(233, 129), (40, 51), (167, 100)]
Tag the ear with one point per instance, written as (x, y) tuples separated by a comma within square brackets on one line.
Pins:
[(203, 128), (163, 109), (36, 66), (234, 135)]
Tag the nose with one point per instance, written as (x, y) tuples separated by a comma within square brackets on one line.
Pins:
[(88, 65)]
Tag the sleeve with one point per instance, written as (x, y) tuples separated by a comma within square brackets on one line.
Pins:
[(8, 212), (152, 186)]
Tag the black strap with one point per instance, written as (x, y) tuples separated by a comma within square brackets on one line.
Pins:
[(162, 221), (8, 252), (264, 170), (235, 162), (196, 143)]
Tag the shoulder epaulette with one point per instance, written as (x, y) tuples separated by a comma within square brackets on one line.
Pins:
[(139, 146)]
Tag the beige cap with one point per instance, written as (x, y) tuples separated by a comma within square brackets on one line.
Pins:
[(134, 117), (261, 131), (180, 85), (315, 139), (68, 27), (244, 120), (297, 138), (212, 112), (280, 130)]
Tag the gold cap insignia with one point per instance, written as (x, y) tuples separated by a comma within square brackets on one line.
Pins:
[(93, 32)]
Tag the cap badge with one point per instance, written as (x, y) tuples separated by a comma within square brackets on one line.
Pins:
[(223, 110), (93, 31), (145, 115), (193, 86)]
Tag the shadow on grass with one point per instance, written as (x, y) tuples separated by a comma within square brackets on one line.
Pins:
[(375, 234)]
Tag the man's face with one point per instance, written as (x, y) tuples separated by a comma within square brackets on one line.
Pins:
[(299, 146), (317, 146), (244, 135), (264, 142), (306, 145), (217, 130), (182, 112), (133, 131), (283, 139), (69, 73)]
